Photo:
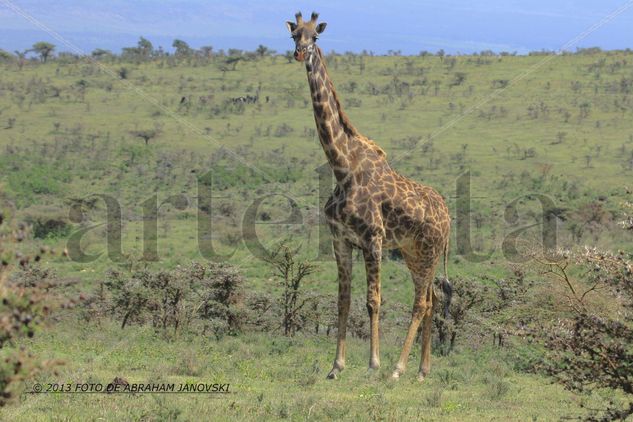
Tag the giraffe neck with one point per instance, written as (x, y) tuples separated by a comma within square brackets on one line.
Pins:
[(336, 133)]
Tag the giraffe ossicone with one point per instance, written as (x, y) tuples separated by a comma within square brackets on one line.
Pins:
[(372, 208)]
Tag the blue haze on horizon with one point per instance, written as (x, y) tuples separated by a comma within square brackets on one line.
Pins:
[(456, 26)]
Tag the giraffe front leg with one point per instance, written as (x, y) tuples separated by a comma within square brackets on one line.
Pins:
[(343, 254), (373, 256)]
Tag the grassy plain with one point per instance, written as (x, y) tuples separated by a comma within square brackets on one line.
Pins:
[(561, 126)]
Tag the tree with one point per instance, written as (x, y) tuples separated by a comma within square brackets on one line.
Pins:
[(5, 55), (21, 57), (99, 53), (233, 61), (129, 54), (182, 48), (458, 79), (44, 49), (146, 135), (145, 48), (289, 55), (262, 51), (206, 51), (560, 138), (235, 52)]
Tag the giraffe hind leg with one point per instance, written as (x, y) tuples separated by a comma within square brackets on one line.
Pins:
[(373, 255), (427, 319), (422, 269)]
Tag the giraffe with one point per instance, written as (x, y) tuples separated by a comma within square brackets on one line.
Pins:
[(372, 208)]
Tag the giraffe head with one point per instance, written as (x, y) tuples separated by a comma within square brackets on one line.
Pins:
[(305, 35)]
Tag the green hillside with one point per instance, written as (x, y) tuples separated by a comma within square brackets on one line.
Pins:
[(157, 134)]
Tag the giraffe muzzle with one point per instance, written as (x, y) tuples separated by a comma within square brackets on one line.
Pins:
[(300, 54)]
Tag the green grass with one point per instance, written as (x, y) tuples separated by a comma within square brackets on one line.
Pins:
[(279, 378)]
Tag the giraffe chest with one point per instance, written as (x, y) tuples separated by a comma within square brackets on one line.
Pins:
[(359, 229), (355, 217)]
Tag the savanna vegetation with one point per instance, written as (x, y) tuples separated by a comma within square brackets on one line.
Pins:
[(161, 222)]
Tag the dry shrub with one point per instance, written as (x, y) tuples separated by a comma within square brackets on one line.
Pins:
[(591, 348), (291, 272), (197, 298), (27, 300), (497, 309)]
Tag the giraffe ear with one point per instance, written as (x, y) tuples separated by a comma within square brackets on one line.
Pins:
[(291, 26), (321, 27)]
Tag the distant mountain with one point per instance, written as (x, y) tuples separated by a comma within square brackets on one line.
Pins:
[(406, 25)]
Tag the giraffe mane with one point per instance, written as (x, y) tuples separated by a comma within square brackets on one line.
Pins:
[(347, 125)]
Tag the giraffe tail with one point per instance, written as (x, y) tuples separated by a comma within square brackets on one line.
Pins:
[(447, 289)]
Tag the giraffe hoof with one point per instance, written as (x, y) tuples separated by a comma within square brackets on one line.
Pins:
[(374, 366), (395, 375), (421, 377), (332, 375)]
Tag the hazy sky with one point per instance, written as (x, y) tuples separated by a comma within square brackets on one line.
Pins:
[(406, 25)]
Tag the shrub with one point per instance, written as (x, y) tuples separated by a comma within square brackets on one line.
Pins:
[(591, 349), (222, 298), (449, 322), (27, 300), (291, 272), (47, 221), (483, 308), (283, 130), (197, 298)]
